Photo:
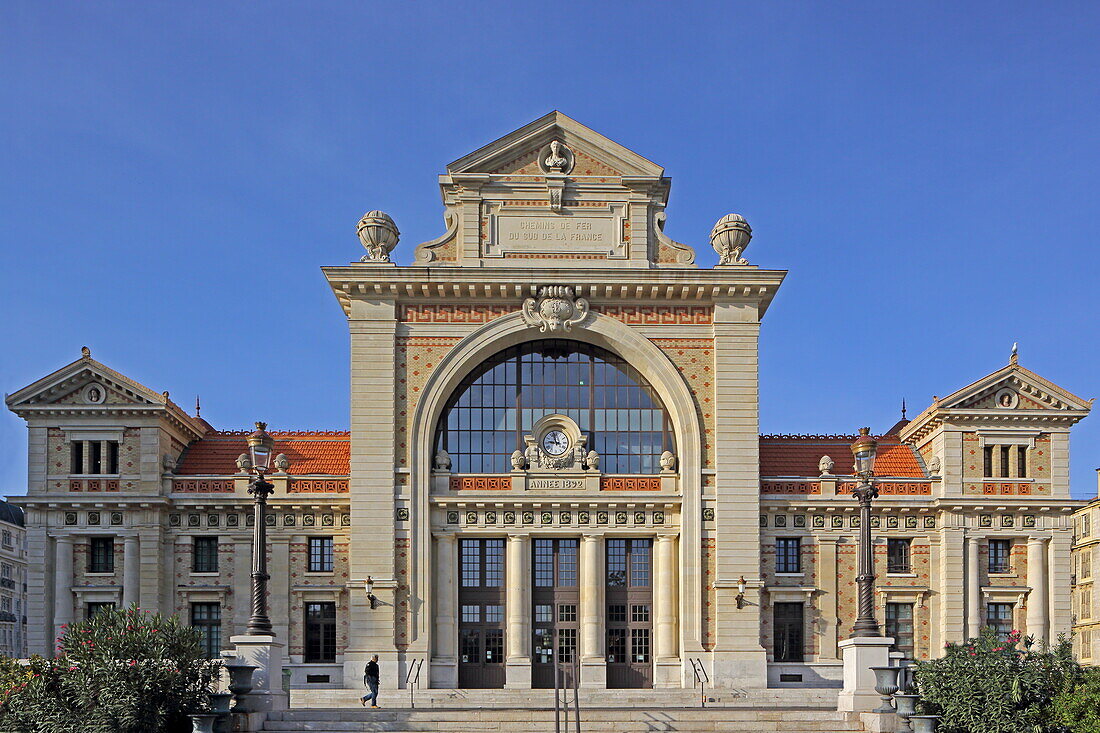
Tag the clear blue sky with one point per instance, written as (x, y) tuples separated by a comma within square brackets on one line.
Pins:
[(174, 174)]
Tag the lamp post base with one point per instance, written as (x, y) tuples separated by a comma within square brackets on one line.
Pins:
[(268, 657), (860, 654)]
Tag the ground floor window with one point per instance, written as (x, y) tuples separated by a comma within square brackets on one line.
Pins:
[(899, 627), (320, 632), (207, 618), (91, 609), (787, 619), (999, 616)]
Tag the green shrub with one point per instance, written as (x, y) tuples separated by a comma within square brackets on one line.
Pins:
[(1078, 706), (994, 686), (124, 671)]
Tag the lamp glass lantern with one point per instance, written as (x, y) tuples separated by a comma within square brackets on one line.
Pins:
[(864, 450), (261, 446)]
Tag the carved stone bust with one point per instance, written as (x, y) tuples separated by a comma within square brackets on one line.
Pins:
[(825, 466)]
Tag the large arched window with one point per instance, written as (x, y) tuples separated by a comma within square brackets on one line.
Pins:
[(499, 402)]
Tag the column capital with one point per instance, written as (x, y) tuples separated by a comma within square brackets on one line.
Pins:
[(444, 536), (65, 538), (668, 536), (592, 536), (1037, 539)]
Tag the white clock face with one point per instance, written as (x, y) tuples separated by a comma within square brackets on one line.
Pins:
[(555, 443)]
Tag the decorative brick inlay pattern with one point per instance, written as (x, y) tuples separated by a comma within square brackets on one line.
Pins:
[(1010, 488), (203, 485), (417, 356), (95, 484), (790, 487), (630, 483), (629, 314), (317, 486), (694, 358), (481, 483), (710, 595), (401, 616)]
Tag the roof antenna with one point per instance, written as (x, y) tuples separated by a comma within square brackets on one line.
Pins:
[(198, 407), (902, 408), (1015, 353)]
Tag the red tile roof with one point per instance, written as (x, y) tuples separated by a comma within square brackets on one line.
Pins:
[(325, 452), (798, 455)]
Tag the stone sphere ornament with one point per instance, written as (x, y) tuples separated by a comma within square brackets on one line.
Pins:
[(379, 236), (730, 237)]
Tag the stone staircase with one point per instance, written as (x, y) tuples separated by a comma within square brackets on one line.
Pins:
[(531, 711)]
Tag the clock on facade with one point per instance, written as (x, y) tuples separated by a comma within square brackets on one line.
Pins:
[(555, 442)]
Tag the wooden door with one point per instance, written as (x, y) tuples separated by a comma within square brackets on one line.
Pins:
[(481, 613), (554, 612), (629, 613)]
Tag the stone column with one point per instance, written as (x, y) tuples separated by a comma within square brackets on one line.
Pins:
[(131, 571), (593, 665), (973, 589), (444, 665), (1037, 611), (87, 455), (666, 607), (518, 605), (63, 583)]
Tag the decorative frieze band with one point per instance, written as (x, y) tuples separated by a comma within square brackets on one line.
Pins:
[(204, 485), (481, 483), (630, 483), (94, 484), (317, 486), (629, 314)]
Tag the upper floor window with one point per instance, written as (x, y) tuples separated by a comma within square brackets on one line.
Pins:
[(93, 457), (500, 401), (788, 555), (5, 571), (204, 555), (101, 555), (897, 556), (1005, 461), (1086, 525), (320, 554), (7, 539), (1000, 552)]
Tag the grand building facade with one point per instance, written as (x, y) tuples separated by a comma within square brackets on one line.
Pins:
[(554, 446)]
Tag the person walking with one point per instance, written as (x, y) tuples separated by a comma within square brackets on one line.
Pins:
[(370, 680)]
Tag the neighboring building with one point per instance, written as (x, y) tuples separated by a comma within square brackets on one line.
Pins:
[(1086, 621), (13, 582), (570, 459)]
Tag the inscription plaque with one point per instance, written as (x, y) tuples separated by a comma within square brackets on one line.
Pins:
[(556, 483), (555, 234)]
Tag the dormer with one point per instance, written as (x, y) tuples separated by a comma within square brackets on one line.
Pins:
[(93, 429), (1006, 434)]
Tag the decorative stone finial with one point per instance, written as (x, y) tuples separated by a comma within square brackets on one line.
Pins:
[(668, 462), (555, 309), (442, 460), (825, 466), (730, 237), (1015, 356), (244, 463), (518, 461), (379, 236), (85, 352), (592, 460), (282, 463)]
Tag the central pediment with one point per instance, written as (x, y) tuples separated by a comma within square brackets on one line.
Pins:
[(518, 153), (554, 193)]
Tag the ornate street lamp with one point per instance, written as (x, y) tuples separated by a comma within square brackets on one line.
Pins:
[(260, 448), (864, 450)]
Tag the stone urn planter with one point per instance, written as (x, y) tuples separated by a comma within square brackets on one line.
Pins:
[(924, 723), (240, 675), (886, 684), (220, 701), (202, 722), (906, 708)]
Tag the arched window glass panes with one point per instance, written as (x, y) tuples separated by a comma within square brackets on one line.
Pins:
[(498, 403)]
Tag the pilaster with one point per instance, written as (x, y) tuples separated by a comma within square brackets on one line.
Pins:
[(593, 660)]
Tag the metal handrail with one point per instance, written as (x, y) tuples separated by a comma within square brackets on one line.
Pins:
[(701, 680), (412, 679), (561, 697)]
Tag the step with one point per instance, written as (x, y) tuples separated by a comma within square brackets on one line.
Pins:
[(786, 698)]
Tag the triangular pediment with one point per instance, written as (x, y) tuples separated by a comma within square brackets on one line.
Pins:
[(519, 152), (84, 382), (1014, 388)]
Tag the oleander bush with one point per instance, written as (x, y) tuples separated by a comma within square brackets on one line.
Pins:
[(123, 671), (1078, 706), (988, 685)]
